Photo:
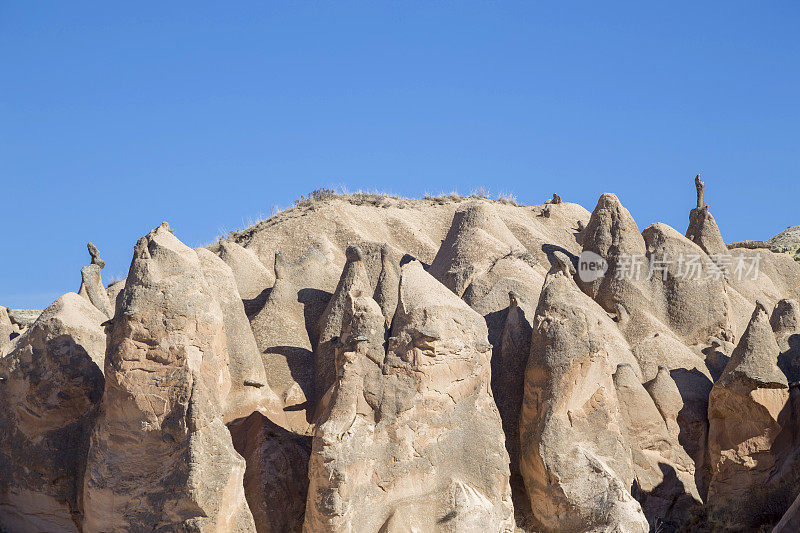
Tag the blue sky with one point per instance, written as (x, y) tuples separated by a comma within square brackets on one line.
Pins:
[(115, 116)]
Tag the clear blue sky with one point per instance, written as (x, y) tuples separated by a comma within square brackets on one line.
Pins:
[(115, 116)]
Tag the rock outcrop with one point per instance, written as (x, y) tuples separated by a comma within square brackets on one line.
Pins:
[(411, 438), (663, 472), (249, 388), (50, 390), (286, 352), (276, 478), (251, 276), (388, 285), (744, 409), (575, 457), (160, 456), (354, 278)]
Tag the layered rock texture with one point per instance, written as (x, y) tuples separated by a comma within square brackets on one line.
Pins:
[(374, 364)]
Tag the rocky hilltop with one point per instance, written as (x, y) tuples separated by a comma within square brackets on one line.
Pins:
[(368, 363)]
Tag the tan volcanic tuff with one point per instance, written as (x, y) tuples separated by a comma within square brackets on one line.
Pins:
[(481, 386)]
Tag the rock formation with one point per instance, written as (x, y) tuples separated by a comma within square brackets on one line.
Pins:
[(386, 290), (251, 276), (575, 458), (354, 278), (276, 478), (160, 456), (286, 351), (249, 388), (743, 413), (411, 438), (50, 390), (347, 393)]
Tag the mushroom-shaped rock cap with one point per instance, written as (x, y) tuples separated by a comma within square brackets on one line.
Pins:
[(95, 254), (513, 299), (354, 253), (564, 263), (786, 317), (755, 357)]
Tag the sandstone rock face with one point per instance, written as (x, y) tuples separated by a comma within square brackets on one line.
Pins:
[(354, 278), (575, 457), (477, 237), (92, 288), (743, 412), (386, 290), (252, 277), (276, 478), (411, 439), (50, 390), (286, 351), (664, 473), (785, 322), (704, 232), (160, 456), (6, 328), (249, 388)]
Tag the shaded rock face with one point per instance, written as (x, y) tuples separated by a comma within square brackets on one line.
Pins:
[(160, 456), (664, 473), (785, 322), (744, 410), (276, 478), (50, 389), (286, 351), (575, 457), (410, 438)]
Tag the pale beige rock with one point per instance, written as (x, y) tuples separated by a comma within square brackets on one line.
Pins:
[(411, 438), (664, 473), (286, 351), (92, 289), (276, 478), (249, 388), (704, 232), (354, 278), (6, 328), (476, 239), (160, 456), (575, 458), (50, 390), (388, 285), (743, 412), (252, 277), (667, 399)]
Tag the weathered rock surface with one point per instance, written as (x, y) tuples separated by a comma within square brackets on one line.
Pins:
[(160, 456), (276, 478), (575, 457), (663, 472), (388, 285), (252, 277), (412, 438), (50, 390), (744, 408), (785, 322), (6, 328), (354, 278), (285, 346), (249, 388)]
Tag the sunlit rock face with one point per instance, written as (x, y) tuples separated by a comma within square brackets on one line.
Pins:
[(160, 456), (411, 438)]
